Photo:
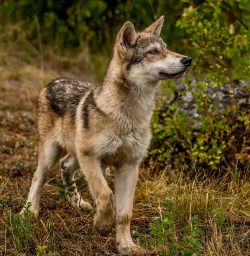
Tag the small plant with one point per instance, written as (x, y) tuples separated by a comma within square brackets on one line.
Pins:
[(170, 240), (43, 251), (219, 217), (68, 186), (22, 230)]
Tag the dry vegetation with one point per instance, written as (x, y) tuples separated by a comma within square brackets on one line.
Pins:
[(221, 207)]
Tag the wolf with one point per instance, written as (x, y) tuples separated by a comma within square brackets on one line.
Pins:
[(89, 127)]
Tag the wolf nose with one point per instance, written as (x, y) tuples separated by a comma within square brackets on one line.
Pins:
[(186, 61)]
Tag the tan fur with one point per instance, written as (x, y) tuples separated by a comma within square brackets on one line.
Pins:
[(115, 130)]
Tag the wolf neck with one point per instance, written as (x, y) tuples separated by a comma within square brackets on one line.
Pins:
[(121, 99)]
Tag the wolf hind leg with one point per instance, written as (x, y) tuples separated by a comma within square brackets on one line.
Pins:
[(68, 166), (48, 155)]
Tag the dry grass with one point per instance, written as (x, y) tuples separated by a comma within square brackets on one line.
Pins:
[(223, 207)]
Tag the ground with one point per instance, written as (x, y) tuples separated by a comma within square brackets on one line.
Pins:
[(65, 231)]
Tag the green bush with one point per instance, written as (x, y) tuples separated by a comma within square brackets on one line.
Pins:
[(216, 136), (81, 24), (211, 135), (217, 35)]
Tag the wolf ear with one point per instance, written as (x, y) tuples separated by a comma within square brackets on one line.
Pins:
[(155, 27), (127, 35)]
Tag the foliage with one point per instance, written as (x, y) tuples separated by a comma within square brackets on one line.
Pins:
[(163, 231), (214, 32), (218, 34), (67, 187), (210, 138), (43, 251), (22, 230), (212, 135), (182, 223), (171, 241), (73, 24)]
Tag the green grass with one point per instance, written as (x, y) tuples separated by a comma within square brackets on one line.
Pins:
[(22, 230), (195, 218), (24, 234)]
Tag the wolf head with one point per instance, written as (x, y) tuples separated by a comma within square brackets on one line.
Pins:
[(144, 56)]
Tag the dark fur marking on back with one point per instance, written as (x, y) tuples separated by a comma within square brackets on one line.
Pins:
[(55, 98), (63, 95), (89, 102), (85, 115)]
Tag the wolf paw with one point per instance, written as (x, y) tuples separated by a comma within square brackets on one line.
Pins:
[(104, 222), (130, 249), (77, 202), (105, 214)]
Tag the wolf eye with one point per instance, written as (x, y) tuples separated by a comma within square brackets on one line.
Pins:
[(154, 52)]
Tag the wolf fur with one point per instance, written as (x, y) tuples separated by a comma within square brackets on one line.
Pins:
[(98, 126)]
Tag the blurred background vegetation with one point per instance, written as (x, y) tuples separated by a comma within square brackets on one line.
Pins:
[(214, 33)]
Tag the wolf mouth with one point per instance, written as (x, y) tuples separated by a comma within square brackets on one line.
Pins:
[(166, 75)]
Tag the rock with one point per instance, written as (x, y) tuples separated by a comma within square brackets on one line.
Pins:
[(221, 97)]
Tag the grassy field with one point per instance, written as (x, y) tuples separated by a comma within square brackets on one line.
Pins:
[(173, 214)]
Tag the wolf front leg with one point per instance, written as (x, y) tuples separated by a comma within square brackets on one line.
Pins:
[(48, 153), (125, 184), (102, 194)]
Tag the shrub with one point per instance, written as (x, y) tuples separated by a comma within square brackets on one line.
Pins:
[(206, 124), (200, 129), (80, 24), (216, 34)]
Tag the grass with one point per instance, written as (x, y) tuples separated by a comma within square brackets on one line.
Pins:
[(207, 218), (23, 233), (173, 214), (22, 230)]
